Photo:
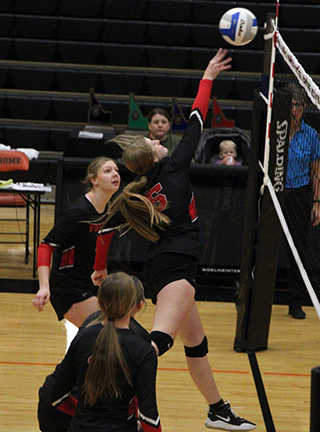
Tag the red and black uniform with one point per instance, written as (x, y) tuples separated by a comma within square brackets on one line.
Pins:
[(108, 415), (169, 189), (73, 242), (58, 418)]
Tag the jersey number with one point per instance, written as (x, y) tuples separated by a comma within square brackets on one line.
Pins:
[(157, 199)]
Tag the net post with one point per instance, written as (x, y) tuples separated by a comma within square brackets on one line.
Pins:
[(264, 404), (315, 400), (258, 259)]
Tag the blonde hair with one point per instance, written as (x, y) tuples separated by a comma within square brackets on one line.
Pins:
[(137, 155), (93, 168), (227, 143), (117, 296), (138, 211)]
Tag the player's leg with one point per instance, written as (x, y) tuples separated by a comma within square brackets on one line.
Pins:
[(49, 417), (192, 335), (220, 414), (174, 302), (176, 313), (81, 310)]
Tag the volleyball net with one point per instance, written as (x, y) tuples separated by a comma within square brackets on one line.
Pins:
[(282, 214), (282, 203), (297, 161)]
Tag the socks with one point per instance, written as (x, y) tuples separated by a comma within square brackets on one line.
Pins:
[(218, 406)]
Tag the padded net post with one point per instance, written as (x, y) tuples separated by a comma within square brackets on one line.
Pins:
[(315, 400), (262, 233)]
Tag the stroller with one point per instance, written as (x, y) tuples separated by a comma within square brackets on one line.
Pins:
[(220, 200), (209, 144)]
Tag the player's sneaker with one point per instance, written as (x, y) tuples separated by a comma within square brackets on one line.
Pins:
[(227, 419)]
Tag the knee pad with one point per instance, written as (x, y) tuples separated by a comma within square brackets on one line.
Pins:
[(199, 350), (163, 341)]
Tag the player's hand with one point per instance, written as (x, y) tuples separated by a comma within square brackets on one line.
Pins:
[(98, 276), (41, 298), (217, 64)]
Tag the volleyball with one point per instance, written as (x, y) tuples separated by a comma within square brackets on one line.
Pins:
[(238, 26)]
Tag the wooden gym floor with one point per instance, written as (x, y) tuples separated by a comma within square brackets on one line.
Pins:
[(32, 343)]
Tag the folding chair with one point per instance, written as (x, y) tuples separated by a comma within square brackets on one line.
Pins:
[(12, 160)]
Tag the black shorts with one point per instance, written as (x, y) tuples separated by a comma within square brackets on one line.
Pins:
[(64, 295), (166, 268)]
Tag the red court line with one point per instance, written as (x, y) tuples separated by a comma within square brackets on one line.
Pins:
[(214, 371), (27, 363), (287, 374), (168, 369)]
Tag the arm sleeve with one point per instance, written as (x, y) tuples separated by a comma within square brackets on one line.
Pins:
[(103, 242), (202, 99), (45, 252), (185, 150), (146, 394)]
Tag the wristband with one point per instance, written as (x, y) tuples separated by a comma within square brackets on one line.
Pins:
[(316, 201)]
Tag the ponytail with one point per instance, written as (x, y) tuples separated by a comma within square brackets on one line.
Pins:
[(106, 360), (117, 297), (137, 210)]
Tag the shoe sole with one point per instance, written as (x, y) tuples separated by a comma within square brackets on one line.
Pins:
[(218, 424)]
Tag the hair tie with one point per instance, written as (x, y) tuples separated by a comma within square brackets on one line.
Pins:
[(110, 319)]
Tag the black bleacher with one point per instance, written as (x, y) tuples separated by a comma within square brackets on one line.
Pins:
[(53, 51)]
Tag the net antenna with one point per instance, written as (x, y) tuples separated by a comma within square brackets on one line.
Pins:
[(312, 90), (269, 100)]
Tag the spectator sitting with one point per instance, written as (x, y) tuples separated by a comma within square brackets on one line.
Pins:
[(159, 123), (227, 154)]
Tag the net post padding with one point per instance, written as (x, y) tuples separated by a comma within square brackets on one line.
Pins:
[(315, 400), (262, 233)]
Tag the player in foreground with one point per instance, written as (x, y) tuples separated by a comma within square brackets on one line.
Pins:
[(113, 367), (58, 418)]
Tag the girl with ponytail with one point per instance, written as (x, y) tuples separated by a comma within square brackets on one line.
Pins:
[(113, 366)]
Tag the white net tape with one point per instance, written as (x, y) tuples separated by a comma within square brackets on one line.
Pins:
[(304, 79)]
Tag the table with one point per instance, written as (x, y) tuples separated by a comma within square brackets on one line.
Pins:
[(33, 192)]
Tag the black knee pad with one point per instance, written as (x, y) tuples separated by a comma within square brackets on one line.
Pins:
[(199, 350), (163, 341)]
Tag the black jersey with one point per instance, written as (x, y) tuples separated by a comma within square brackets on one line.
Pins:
[(134, 325), (112, 415), (169, 190), (54, 418), (74, 238)]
